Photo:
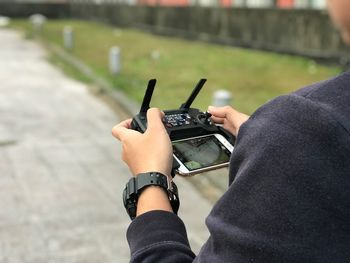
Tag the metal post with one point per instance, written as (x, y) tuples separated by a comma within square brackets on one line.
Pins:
[(38, 22), (221, 98), (4, 21), (155, 55), (68, 37), (114, 60)]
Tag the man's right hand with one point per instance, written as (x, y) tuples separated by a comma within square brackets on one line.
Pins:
[(146, 152)]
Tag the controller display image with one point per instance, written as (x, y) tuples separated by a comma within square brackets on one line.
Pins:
[(182, 123)]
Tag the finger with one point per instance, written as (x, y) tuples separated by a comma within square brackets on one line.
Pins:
[(217, 120), (120, 129), (154, 119), (219, 111), (119, 132), (125, 123)]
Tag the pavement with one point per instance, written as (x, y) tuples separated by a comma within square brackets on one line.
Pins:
[(61, 174)]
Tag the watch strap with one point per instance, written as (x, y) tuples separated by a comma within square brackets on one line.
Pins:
[(137, 184)]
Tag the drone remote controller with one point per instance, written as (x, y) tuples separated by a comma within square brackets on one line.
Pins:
[(182, 123)]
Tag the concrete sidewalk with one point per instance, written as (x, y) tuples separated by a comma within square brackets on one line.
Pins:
[(61, 175)]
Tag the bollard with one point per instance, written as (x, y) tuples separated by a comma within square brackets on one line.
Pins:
[(68, 37), (38, 22), (114, 60), (155, 55), (4, 21), (221, 98)]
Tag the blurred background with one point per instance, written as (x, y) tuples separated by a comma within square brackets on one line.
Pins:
[(70, 70)]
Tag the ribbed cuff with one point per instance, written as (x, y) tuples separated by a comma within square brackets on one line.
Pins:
[(155, 227)]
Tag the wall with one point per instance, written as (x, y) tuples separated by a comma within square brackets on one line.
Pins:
[(17, 9), (302, 32), (294, 31)]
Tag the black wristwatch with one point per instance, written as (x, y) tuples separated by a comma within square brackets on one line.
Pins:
[(137, 184)]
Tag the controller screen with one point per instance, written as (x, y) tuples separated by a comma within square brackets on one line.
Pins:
[(197, 153)]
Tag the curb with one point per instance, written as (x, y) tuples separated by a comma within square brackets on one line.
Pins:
[(130, 107)]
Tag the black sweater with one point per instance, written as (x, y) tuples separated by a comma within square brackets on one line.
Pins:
[(289, 189)]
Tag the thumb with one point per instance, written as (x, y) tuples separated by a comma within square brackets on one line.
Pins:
[(154, 119), (220, 112)]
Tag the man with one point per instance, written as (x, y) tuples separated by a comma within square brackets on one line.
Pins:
[(289, 193)]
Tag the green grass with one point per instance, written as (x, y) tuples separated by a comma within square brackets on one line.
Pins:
[(253, 77)]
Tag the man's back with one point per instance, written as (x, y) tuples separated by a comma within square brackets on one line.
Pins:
[(289, 198)]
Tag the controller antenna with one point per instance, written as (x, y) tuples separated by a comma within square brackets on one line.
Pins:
[(194, 94), (148, 96)]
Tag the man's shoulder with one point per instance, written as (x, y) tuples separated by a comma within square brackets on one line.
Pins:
[(323, 102), (332, 95), (325, 91)]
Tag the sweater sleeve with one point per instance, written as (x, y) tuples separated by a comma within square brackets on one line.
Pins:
[(159, 236)]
